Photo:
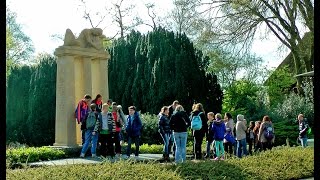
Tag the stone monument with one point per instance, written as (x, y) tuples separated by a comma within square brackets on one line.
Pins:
[(82, 68)]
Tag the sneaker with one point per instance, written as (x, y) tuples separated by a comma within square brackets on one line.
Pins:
[(82, 155), (222, 158), (94, 155), (216, 159)]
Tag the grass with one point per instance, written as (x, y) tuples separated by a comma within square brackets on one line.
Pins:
[(280, 163)]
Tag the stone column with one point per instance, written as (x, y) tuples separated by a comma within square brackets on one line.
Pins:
[(104, 79), (96, 81), (87, 71), (65, 123), (79, 92)]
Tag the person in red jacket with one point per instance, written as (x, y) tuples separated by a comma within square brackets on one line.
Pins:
[(98, 102)]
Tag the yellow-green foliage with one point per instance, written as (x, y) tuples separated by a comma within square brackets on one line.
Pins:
[(32, 154), (280, 163)]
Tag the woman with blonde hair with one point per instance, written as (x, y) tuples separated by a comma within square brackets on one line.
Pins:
[(179, 123), (198, 134)]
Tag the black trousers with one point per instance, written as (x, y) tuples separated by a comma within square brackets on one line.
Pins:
[(198, 138), (228, 147), (250, 142), (266, 145), (110, 146), (103, 148), (117, 142)]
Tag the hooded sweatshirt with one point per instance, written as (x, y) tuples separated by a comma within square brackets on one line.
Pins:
[(218, 129), (241, 128)]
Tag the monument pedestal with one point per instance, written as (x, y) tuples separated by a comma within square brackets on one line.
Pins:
[(80, 71)]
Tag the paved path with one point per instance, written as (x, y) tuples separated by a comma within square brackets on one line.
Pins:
[(90, 160)]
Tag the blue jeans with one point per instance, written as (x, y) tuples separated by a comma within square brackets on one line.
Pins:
[(180, 139), (90, 138), (166, 137), (304, 142), (242, 144)]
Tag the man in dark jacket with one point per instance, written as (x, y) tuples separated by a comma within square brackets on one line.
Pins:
[(133, 129)]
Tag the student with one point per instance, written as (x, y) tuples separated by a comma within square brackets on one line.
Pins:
[(199, 134), (165, 131), (266, 136), (229, 130), (119, 123), (179, 123), (124, 119), (107, 127), (81, 112), (98, 102), (172, 108), (133, 128), (210, 134), (241, 129), (109, 102), (91, 132), (219, 129), (250, 136), (257, 144), (303, 128)]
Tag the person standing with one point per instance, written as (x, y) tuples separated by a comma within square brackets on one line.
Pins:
[(229, 131), (257, 144), (210, 134), (133, 129), (91, 132), (241, 129), (179, 123), (219, 130), (165, 131), (124, 119), (199, 134), (266, 133), (119, 123), (81, 112), (106, 129), (98, 102), (172, 145), (109, 102), (303, 128), (250, 136)]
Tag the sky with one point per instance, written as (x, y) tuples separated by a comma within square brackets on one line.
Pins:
[(40, 19)]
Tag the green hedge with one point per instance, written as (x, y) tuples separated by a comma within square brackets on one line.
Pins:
[(280, 163), (32, 154)]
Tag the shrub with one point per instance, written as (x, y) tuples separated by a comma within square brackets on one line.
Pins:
[(32, 154), (280, 163)]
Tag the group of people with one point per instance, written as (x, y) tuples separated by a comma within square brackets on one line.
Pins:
[(222, 133), (104, 123)]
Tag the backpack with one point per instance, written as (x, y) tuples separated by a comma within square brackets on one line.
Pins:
[(268, 132), (91, 120), (196, 123)]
